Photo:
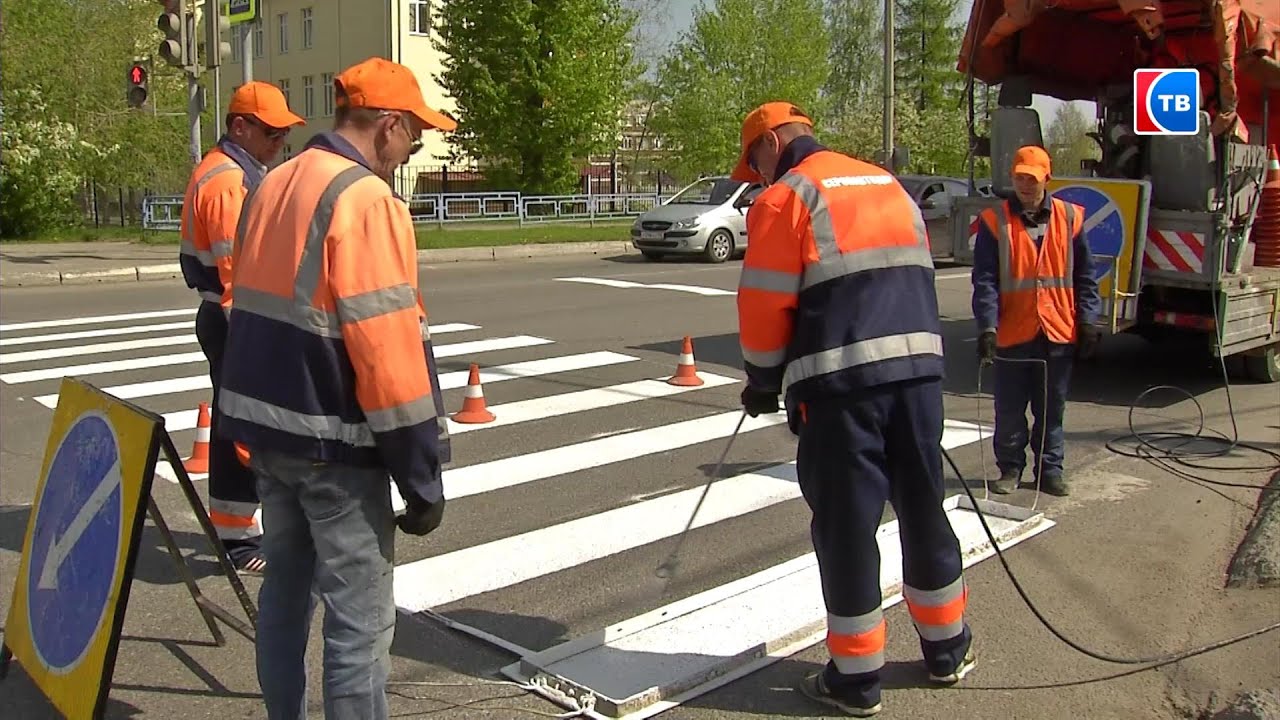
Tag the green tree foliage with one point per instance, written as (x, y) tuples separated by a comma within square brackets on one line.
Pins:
[(537, 84), (926, 42), (737, 55), (936, 139), (1067, 140), (65, 117), (856, 28)]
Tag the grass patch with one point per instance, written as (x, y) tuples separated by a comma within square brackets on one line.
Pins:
[(455, 236), (104, 233), (428, 236)]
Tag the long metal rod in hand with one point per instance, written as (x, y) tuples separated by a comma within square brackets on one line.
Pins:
[(667, 568)]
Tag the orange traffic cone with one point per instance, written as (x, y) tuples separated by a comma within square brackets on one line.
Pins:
[(199, 460), (686, 370), (473, 405)]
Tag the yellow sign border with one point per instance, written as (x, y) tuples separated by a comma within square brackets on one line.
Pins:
[(80, 693), (243, 17), (1131, 199)]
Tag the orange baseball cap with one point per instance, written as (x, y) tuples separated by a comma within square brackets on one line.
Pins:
[(1032, 160), (380, 84), (265, 102), (758, 122)]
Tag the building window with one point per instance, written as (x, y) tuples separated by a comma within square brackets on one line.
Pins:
[(307, 38), (327, 79), (419, 17), (237, 44), (308, 96), (284, 89), (259, 39), (288, 152), (282, 21)]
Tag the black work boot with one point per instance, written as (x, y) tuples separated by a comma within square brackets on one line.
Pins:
[(1005, 484), (1054, 485)]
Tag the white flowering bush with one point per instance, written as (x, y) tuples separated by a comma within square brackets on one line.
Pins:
[(42, 166)]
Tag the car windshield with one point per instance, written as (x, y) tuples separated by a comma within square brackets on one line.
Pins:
[(711, 191), (911, 185)]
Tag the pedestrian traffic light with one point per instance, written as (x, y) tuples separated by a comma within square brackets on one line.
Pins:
[(173, 23), (216, 22), (136, 84)]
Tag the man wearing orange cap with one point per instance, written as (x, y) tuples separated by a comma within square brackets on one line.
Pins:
[(326, 283), (258, 119), (837, 313), (1035, 300)]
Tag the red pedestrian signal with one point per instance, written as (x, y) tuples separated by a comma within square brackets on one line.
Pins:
[(136, 90)]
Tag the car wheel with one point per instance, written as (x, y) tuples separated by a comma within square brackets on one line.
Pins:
[(719, 246), (1264, 367)]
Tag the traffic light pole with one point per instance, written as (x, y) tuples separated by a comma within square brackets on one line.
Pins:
[(246, 53), (193, 116)]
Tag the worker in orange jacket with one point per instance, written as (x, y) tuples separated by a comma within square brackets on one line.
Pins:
[(258, 120), (837, 313), (326, 287), (1035, 300)]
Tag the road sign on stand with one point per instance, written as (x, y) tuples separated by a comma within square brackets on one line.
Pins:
[(81, 545), (242, 11), (1115, 221)]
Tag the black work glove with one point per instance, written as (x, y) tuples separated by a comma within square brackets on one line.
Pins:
[(759, 402), (421, 517), (987, 347), (1087, 343)]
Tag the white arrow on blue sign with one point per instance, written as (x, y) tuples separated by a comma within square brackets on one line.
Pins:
[(1103, 221), (75, 543)]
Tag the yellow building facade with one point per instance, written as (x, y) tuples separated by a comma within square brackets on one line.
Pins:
[(299, 45)]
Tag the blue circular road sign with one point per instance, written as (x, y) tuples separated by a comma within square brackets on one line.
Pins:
[(1104, 221), (75, 543)]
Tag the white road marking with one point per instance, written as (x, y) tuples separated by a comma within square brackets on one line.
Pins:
[(98, 368), (448, 381), (614, 283), (583, 400), (508, 561), (100, 332), (97, 348), (95, 319), (566, 459)]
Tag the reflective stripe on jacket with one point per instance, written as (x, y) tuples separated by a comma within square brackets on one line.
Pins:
[(328, 353), (1036, 279), (211, 209), (837, 289)]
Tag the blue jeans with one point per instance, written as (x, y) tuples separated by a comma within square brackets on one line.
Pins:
[(1019, 383), (328, 528)]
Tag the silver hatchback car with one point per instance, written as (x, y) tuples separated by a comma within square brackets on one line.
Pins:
[(709, 217)]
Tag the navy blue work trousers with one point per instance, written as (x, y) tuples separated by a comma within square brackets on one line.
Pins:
[(233, 489), (1021, 372), (856, 452)]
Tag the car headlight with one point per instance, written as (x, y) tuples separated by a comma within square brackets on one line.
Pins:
[(688, 224)]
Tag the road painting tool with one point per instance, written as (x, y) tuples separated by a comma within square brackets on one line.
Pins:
[(667, 569)]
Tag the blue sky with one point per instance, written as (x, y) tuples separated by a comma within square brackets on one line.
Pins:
[(678, 15)]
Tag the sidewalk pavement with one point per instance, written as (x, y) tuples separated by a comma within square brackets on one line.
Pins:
[(87, 263)]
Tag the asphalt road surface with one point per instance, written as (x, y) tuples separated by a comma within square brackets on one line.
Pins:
[(561, 509)]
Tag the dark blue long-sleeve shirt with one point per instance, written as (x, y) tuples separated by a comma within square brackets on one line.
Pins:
[(986, 270)]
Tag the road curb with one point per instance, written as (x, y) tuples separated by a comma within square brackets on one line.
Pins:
[(171, 271)]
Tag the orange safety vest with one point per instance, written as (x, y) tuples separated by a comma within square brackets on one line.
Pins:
[(1037, 291), (837, 288), (328, 353), (210, 211)]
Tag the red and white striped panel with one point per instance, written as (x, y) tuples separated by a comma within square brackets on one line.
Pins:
[(973, 233), (1174, 250)]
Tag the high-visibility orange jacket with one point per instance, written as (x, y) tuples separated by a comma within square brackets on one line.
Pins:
[(328, 352), (837, 289), (1037, 272), (210, 211)]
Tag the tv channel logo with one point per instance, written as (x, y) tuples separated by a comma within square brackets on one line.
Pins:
[(1166, 102)]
